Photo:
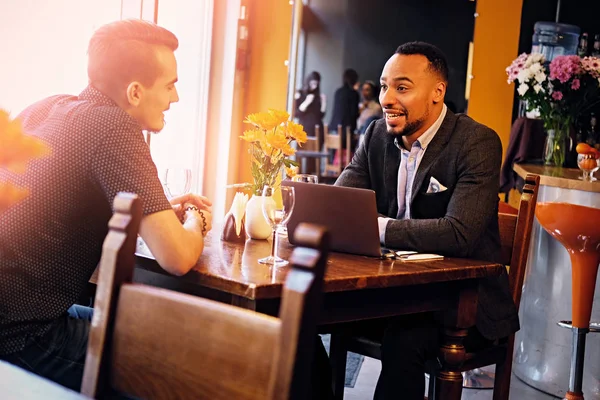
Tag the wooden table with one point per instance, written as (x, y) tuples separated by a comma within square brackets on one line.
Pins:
[(18, 384), (566, 178), (355, 287)]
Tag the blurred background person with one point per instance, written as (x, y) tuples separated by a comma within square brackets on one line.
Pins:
[(310, 106), (369, 108), (345, 103), (345, 108)]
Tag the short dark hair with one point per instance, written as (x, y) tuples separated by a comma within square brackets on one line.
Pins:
[(123, 51), (350, 77), (372, 85), (437, 59)]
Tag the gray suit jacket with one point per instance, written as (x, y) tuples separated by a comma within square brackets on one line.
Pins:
[(461, 221)]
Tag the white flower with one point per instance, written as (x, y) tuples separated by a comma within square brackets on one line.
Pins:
[(537, 58), (540, 76), (523, 88), (538, 88), (535, 68), (523, 75)]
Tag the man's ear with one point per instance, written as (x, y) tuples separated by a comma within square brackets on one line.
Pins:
[(439, 92), (135, 91)]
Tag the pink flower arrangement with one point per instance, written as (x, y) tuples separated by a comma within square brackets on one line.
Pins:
[(564, 68), (559, 91), (591, 65)]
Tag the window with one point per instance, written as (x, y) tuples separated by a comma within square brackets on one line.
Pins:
[(44, 46), (182, 142)]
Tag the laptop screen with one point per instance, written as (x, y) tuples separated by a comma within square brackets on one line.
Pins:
[(350, 215)]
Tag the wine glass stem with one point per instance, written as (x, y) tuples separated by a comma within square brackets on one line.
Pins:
[(274, 245), (586, 176)]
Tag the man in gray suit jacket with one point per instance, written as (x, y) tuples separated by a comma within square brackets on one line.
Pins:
[(436, 179)]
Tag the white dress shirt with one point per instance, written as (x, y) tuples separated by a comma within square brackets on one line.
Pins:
[(409, 164)]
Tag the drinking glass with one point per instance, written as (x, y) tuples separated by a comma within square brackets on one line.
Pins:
[(305, 178), (277, 216), (176, 181), (588, 164)]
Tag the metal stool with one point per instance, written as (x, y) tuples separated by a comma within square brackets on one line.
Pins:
[(577, 356), (478, 379)]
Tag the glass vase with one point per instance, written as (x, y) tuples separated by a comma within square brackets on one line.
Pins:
[(556, 147)]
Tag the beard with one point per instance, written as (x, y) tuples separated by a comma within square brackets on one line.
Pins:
[(411, 126)]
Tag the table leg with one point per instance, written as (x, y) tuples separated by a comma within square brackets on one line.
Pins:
[(448, 382)]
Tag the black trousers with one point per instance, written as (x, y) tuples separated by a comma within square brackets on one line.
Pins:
[(408, 343)]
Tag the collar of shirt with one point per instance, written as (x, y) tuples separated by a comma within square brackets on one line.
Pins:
[(90, 93), (428, 135)]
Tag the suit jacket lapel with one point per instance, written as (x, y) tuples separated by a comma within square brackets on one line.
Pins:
[(433, 151), (391, 164)]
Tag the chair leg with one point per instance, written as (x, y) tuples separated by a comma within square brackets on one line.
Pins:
[(503, 373), (337, 354), (502, 382), (431, 389)]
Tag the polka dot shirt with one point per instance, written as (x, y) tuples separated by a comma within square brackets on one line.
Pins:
[(51, 242)]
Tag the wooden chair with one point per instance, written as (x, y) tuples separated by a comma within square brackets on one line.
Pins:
[(515, 235), (332, 142), (154, 343), (312, 144), (335, 142)]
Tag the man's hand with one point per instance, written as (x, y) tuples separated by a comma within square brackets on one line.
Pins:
[(201, 202), (208, 219), (202, 217)]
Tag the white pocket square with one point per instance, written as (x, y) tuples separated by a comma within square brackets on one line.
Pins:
[(435, 186)]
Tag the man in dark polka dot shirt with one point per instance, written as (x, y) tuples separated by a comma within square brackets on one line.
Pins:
[(51, 243)]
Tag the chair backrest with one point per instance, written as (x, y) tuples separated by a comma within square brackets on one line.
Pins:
[(333, 142), (515, 236), (164, 344), (116, 266), (313, 143), (348, 153)]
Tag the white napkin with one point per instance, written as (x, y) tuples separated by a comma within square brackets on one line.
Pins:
[(421, 257), (238, 209), (435, 186)]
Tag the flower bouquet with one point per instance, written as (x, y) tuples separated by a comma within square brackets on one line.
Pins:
[(16, 149), (559, 92), (270, 145), (271, 142)]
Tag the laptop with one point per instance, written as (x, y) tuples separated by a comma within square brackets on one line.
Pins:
[(350, 215)]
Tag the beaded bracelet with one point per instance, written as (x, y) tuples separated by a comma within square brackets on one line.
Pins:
[(192, 207)]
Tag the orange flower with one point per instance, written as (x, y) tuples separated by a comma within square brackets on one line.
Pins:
[(280, 116), (296, 132), (16, 148), (288, 150), (271, 143), (10, 195), (291, 171), (253, 135), (277, 140), (263, 120)]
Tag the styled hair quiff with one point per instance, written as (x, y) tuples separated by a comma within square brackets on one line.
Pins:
[(436, 58), (124, 51)]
